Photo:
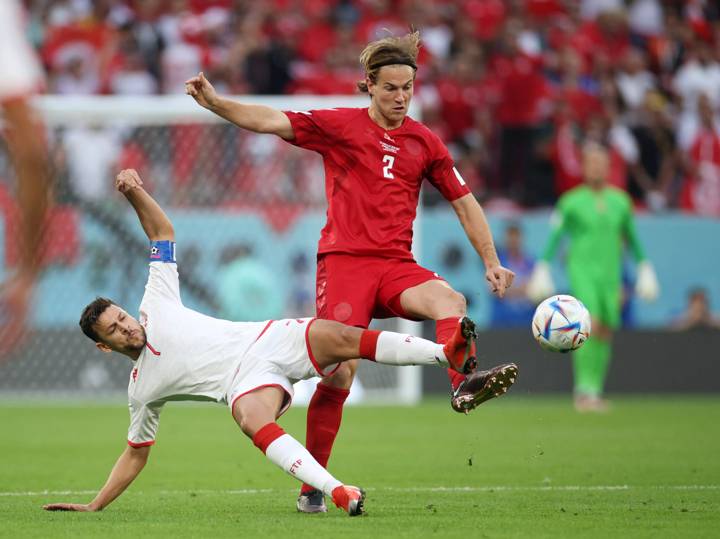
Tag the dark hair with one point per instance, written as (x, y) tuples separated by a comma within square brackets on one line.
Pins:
[(90, 316)]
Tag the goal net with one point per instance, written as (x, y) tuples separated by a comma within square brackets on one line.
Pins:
[(247, 211)]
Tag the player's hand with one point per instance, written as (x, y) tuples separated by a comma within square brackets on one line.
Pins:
[(647, 287), (200, 89), (80, 507), (541, 284), (127, 180), (499, 279), (15, 297)]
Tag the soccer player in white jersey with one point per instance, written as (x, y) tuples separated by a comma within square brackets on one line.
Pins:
[(21, 79), (180, 354)]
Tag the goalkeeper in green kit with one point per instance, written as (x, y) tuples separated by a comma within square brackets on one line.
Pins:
[(598, 218)]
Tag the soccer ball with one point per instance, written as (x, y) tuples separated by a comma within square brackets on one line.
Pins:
[(561, 323)]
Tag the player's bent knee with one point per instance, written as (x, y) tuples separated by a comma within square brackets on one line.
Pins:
[(460, 303), (348, 340), (451, 304), (343, 377), (255, 410), (250, 421)]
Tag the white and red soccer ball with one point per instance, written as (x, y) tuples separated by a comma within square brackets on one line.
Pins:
[(561, 323)]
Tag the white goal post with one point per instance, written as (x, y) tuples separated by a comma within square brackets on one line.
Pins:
[(228, 192)]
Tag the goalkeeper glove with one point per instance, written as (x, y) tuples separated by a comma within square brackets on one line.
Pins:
[(541, 284), (646, 285)]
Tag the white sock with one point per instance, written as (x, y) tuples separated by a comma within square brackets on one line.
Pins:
[(401, 349), (291, 456)]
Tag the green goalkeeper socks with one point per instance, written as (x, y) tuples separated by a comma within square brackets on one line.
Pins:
[(590, 367)]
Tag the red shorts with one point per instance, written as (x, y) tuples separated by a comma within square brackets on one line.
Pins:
[(355, 289)]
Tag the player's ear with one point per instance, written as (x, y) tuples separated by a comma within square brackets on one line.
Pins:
[(103, 347)]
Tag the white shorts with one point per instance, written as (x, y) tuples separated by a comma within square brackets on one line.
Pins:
[(280, 356)]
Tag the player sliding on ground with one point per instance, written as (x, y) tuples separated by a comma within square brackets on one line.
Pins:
[(376, 159), (180, 354)]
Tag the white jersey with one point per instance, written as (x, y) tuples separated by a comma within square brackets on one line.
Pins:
[(188, 355), (21, 72)]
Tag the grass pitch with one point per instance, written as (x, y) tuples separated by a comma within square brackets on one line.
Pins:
[(516, 467)]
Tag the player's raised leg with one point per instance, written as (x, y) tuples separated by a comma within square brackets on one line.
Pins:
[(255, 413), (332, 342), (436, 300)]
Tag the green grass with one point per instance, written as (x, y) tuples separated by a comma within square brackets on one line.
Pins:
[(530, 466)]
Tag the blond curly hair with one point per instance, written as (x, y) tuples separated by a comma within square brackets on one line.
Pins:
[(389, 50)]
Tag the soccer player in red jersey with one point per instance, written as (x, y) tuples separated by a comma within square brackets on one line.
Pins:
[(376, 159)]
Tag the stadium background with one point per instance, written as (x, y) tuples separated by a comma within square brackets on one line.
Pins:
[(513, 87)]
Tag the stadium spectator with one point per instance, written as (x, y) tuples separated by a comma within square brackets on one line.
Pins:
[(698, 314), (90, 170), (485, 64), (516, 309), (701, 187), (652, 182), (247, 289), (645, 18), (699, 75), (633, 82), (133, 76), (522, 89), (302, 287)]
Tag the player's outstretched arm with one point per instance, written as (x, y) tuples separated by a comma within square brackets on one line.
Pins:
[(256, 118), (153, 219), (472, 218), (126, 469)]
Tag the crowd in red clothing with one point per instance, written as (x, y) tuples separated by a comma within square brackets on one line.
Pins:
[(513, 86)]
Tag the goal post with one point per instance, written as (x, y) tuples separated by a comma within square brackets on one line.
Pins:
[(247, 211)]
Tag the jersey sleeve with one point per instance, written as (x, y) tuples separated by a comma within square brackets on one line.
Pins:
[(317, 130), (441, 172), (144, 419), (163, 283), (629, 230), (558, 223)]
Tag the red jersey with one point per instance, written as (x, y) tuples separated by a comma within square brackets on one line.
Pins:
[(373, 178)]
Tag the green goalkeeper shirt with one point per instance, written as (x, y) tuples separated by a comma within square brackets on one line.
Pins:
[(598, 223)]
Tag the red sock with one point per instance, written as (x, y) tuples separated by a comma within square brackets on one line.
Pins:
[(443, 331), (368, 343), (267, 435), (323, 423)]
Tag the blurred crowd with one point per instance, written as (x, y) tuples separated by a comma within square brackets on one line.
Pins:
[(513, 86)]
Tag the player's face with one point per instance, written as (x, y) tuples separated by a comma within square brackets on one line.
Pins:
[(392, 92), (119, 331), (596, 166)]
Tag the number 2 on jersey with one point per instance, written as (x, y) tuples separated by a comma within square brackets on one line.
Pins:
[(389, 161)]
